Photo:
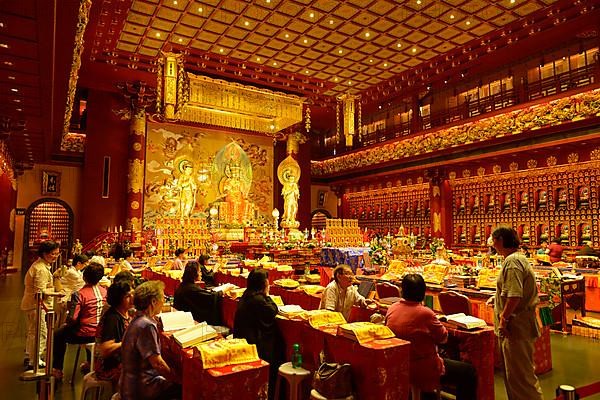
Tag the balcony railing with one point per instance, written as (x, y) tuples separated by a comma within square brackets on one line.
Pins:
[(327, 145)]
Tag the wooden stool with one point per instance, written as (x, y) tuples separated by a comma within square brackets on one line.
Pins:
[(97, 386), (294, 376), (85, 346), (314, 395)]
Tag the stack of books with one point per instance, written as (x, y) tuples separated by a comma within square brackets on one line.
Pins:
[(176, 320), (195, 335), (290, 311), (463, 281), (586, 326), (464, 321), (226, 352)]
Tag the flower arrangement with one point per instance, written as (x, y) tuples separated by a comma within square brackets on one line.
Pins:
[(378, 253)]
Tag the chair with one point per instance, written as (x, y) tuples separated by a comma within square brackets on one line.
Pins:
[(314, 395), (85, 346), (454, 303), (385, 289), (98, 386), (294, 376)]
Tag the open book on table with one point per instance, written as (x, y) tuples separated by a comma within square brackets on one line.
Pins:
[(176, 320), (464, 321), (195, 335)]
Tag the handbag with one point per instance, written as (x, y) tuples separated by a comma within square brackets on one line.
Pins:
[(333, 380)]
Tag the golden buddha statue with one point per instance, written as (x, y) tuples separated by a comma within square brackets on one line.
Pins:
[(564, 235), (506, 205), (561, 198), (475, 208), (524, 203), (461, 204), (586, 233), (584, 196), (544, 233), (525, 234), (542, 199)]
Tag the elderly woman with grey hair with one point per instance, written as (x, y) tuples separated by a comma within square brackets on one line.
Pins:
[(145, 374)]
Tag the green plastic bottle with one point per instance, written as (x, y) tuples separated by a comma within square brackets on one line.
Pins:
[(296, 356)]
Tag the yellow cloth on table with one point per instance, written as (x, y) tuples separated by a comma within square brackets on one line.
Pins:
[(318, 318), (236, 293), (174, 274), (226, 352), (312, 289), (284, 268), (364, 332), (277, 300), (487, 277), (435, 273), (396, 267), (543, 257), (287, 283)]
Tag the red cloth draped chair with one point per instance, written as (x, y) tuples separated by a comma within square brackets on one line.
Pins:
[(453, 303)]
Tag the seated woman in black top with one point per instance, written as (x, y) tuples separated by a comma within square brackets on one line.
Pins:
[(203, 304), (255, 322), (110, 331), (208, 275)]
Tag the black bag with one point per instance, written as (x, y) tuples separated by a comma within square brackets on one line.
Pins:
[(333, 380)]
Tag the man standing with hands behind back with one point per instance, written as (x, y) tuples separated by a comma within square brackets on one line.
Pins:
[(514, 317)]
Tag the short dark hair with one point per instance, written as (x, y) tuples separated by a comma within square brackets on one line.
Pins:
[(80, 258), (179, 251), (117, 292), (257, 281), (509, 236), (93, 273), (413, 287), (203, 258), (339, 270), (190, 272), (47, 247), (146, 292), (125, 276)]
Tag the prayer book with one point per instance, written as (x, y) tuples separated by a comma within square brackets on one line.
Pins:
[(195, 335), (291, 310), (176, 320), (226, 352), (465, 321)]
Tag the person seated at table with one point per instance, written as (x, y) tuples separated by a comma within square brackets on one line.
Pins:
[(85, 310), (126, 263), (543, 248), (203, 304), (555, 251), (125, 276), (178, 262), (110, 331), (340, 295), (587, 250), (208, 275), (525, 251), (410, 320), (144, 373), (71, 281), (255, 321)]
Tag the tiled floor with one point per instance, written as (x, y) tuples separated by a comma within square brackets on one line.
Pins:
[(576, 360)]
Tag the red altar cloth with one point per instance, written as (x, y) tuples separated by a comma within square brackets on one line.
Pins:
[(223, 277), (297, 296), (592, 293), (170, 283)]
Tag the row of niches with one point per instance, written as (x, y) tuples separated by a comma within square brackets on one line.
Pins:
[(404, 209), (569, 233), (406, 228), (562, 198)]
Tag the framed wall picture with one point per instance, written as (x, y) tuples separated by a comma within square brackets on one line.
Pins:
[(50, 183), (322, 198)]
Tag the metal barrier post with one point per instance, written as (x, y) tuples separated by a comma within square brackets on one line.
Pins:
[(35, 374), (567, 392)]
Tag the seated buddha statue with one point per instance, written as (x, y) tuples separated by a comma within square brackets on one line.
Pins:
[(506, 205), (542, 199), (561, 197), (475, 208), (463, 236), (584, 196), (525, 235), (524, 203), (477, 236), (491, 203), (544, 234), (586, 233), (461, 205)]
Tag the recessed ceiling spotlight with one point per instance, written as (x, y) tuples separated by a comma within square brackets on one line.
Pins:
[(268, 1), (468, 23), (336, 79), (287, 35), (367, 34), (330, 22), (385, 64), (200, 9), (451, 16), (399, 45), (275, 64), (157, 34), (221, 50), (180, 40), (349, 82), (512, 1), (14, 90), (414, 49), (305, 41), (307, 71), (418, 2), (246, 23), (12, 78), (174, 2), (312, 15), (340, 51), (257, 58), (371, 60)]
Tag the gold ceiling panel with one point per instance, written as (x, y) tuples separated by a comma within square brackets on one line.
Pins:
[(276, 31)]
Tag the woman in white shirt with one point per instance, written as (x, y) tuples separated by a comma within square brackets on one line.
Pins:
[(340, 295)]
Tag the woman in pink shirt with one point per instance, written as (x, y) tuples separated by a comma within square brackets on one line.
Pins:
[(84, 315)]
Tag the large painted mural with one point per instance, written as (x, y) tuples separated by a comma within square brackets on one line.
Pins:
[(191, 170)]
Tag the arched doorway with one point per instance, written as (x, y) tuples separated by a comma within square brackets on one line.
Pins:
[(47, 219), (318, 218)]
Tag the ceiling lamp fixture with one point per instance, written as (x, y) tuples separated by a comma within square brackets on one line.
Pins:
[(330, 22), (157, 34), (305, 41), (399, 45), (468, 22), (340, 51), (418, 2), (246, 23), (367, 34), (200, 9), (312, 15), (451, 16), (414, 49)]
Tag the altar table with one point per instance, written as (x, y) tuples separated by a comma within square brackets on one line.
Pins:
[(352, 256), (171, 284)]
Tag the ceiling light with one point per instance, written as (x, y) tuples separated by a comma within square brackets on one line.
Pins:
[(414, 49), (200, 9), (275, 64), (287, 35), (371, 60), (246, 23), (307, 71), (221, 50), (174, 2), (268, 1), (157, 34), (12, 78), (14, 90), (340, 51), (399, 45), (418, 2), (180, 40), (257, 58), (305, 41), (451, 16), (367, 34), (312, 15), (468, 22), (385, 64), (330, 22), (336, 79), (349, 82), (512, 1)]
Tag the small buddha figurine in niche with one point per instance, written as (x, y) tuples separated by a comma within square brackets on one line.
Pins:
[(475, 204), (586, 233), (544, 233), (506, 205), (564, 235), (476, 236), (417, 208), (491, 203), (524, 204), (407, 208), (525, 235), (584, 196), (461, 205), (561, 196), (542, 199), (463, 235)]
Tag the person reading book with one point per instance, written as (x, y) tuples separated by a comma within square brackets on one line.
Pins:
[(515, 317), (203, 304), (255, 322), (410, 320), (340, 295)]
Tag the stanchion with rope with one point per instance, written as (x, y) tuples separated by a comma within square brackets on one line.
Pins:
[(568, 392), (43, 377)]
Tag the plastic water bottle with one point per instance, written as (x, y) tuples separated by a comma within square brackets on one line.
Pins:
[(296, 356)]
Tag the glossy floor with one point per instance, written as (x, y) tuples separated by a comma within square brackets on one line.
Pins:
[(575, 359)]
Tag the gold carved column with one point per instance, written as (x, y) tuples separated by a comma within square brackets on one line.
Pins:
[(140, 96)]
